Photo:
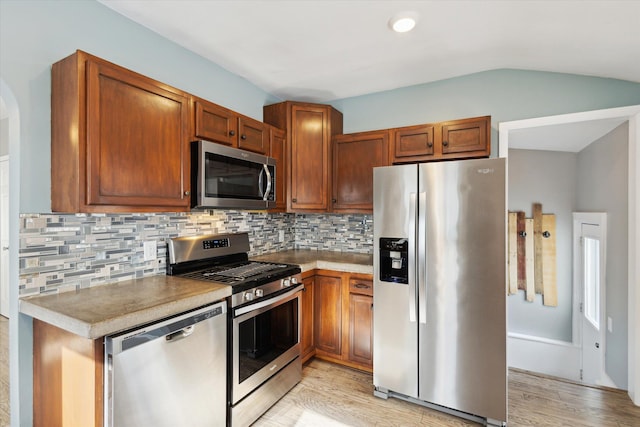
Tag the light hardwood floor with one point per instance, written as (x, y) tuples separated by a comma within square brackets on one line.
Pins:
[(330, 395)]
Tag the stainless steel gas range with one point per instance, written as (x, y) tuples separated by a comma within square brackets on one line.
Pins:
[(263, 318)]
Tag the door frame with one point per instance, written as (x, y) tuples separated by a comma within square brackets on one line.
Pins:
[(599, 219), (4, 242), (632, 115)]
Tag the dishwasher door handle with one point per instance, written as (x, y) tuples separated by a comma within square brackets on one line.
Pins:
[(183, 333)]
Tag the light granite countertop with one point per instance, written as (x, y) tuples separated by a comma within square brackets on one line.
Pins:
[(107, 309), (309, 259)]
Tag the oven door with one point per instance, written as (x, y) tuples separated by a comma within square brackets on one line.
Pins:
[(265, 339)]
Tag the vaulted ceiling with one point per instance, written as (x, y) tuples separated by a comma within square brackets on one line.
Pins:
[(322, 50), (332, 49)]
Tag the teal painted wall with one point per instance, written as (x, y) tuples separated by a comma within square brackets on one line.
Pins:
[(35, 34), (504, 95)]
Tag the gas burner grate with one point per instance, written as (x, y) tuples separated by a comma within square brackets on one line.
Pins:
[(234, 274), (247, 270)]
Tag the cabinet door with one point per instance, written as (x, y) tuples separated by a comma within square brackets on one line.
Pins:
[(360, 324), (278, 150), (412, 144), (354, 157), (328, 314), (137, 140), (215, 123), (307, 344), (310, 158), (466, 138), (252, 136)]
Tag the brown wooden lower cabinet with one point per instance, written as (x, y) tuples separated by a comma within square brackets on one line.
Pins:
[(340, 317), (67, 378), (307, 342), (328, 314), (361, 321)]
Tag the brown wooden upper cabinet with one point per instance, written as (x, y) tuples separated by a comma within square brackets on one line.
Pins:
[(412, 143), (278, 150), (456, 139), (354, 157), (119, 140), (466, 138), (309, 129), (218, 124)]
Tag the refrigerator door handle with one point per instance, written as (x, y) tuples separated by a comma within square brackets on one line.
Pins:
[(422, 257), (412, 258)]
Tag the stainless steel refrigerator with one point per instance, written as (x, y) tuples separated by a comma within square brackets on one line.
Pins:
[(439, 317)]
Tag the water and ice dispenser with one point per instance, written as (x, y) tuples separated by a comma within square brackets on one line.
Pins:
[(394, 260)]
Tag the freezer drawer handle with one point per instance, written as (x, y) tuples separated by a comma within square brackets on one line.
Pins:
[(183, 333)]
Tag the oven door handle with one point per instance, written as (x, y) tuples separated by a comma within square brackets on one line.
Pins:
[(242, 310)]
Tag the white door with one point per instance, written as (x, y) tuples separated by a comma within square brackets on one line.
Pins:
[(4, 236), (589, 253)]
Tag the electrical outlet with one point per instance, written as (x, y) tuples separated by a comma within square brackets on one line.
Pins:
[(150, 250), (609, 324), (280, 236)]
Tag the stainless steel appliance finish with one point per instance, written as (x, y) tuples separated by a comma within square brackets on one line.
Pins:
[(171, 373), (440, 319), (263, 319), (227, 177), (265, 353)]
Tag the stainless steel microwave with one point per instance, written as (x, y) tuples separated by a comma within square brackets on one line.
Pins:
[(226, 177)]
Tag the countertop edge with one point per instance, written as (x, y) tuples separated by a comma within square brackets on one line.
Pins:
[(123, 322), (55, 318)]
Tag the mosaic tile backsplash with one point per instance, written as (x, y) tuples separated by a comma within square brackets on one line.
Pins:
[(67, 252)]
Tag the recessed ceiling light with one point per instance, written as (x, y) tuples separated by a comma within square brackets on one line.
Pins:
[(403, 22)]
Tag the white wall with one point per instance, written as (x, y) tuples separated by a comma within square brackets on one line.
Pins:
[(547, 177), (4, 136), (603, 187)]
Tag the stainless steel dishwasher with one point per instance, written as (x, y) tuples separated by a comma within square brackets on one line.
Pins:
[(169, 373)]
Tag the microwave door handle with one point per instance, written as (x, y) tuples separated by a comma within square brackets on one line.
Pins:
[(260, 181), (267, 191)]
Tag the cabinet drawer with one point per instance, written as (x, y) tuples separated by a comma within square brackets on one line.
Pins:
[(362, 287)]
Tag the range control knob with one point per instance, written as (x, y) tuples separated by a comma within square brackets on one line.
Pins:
[(259, 293), (294, 281), (248, 296), (285, 283)]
